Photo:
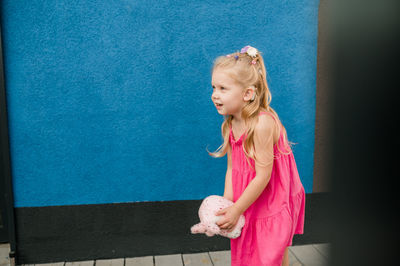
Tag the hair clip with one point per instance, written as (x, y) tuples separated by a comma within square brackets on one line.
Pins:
[(254, 62), (251, 51)]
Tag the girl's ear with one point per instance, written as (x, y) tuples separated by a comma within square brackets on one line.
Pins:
[(250, 93)]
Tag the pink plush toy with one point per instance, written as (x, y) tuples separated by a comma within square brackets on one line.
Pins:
[(208, 219)]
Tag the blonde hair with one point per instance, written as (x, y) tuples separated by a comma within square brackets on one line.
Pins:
[(240, 68)]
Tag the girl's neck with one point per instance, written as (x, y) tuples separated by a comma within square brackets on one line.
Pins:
[(240, 123)]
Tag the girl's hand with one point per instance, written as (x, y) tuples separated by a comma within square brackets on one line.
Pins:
[(230, 218)]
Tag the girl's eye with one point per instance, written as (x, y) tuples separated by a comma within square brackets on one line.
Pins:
[(222, 88)]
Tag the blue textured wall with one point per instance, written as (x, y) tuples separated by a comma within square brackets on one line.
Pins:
[(109, 101)]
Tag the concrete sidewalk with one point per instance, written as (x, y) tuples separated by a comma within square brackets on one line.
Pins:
[(307, 255)]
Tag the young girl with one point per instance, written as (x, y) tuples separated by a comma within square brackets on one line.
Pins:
[(261, 178)]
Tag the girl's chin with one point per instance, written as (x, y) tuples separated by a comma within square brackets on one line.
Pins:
[(221, 112)]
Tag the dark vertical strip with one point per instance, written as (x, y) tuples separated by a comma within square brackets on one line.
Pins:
[(366, 44), (7, 200), (323, 105)]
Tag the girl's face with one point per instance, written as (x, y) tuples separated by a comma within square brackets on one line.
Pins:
[(227, 96)]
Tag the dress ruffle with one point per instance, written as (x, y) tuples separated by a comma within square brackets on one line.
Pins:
[(254, 249), (297, 213)]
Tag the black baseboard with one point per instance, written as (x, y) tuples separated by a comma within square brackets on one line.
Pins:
[(103, 231)]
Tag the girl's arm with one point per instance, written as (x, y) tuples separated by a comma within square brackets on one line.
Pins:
[(264, 148), (228, 192)]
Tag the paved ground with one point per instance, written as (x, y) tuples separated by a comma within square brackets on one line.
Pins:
[(307, 255)]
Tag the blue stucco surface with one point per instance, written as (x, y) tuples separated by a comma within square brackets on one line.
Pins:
[(109, 101)]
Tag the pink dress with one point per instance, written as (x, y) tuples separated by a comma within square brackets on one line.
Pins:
[(276, 215)]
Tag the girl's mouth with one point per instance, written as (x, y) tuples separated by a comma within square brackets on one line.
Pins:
[(218, 105)]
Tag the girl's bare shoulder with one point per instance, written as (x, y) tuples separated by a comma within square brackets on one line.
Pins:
[(265, 123), (266, 126)]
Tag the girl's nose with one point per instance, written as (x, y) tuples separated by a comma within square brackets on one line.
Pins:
[(214, 96)]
